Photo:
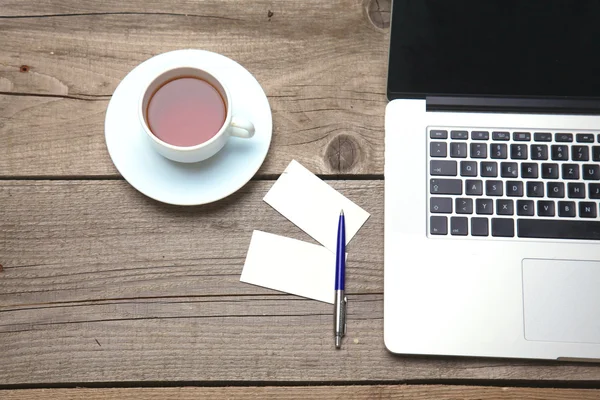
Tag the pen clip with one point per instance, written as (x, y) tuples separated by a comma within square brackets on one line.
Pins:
[(345, 309)]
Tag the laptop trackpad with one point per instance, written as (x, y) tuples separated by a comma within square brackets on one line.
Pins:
[(562, 300)]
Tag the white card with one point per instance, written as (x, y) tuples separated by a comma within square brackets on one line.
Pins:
[(290, 266), (314, 206)]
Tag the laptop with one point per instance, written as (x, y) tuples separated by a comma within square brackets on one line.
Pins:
[(492, 179)]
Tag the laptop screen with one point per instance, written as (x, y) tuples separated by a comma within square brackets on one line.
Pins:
[(516, 48)]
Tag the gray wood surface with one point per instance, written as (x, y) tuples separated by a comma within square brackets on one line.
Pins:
[(400, 392), (322, 65), (101, 284)]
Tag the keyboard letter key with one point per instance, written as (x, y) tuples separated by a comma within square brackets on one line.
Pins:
[(594, 190), (494, 188), (587, 209), (591, 172)]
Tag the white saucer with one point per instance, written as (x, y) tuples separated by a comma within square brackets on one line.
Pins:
[(188, 184)]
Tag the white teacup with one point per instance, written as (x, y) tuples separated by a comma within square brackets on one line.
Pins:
[(233, 126)]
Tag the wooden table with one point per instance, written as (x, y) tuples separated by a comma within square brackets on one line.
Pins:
[(103, 288)]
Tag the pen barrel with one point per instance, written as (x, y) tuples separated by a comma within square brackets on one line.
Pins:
[(339, 314), (340, 255)]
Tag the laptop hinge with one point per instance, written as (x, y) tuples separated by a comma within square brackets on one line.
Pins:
[(513, 105)]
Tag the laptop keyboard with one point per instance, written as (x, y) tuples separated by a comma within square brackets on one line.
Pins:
[(491, 183)]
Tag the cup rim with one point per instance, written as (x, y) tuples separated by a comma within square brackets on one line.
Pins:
[(161, 142)]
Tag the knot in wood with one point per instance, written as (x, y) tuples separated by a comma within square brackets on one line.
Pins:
[(379, 12), (24, 68), (342, 153)]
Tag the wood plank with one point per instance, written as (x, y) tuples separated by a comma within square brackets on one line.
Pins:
[(101, 284), (415, 392), (322, 66), (228, 339), (93, 240)]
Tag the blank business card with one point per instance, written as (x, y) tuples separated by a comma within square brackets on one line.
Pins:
[(291, 266), (314, 206)]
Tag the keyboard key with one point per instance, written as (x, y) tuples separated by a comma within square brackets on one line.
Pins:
[(474, 187), (535, 189), (514, 188), (596, 153), (438, 225), (504, 207), (489, 169), (500, 135), (518, 151), (594, 190), (563, 137), (458, 150), (542, 137), (445, 186), (478, 150), (555, 190), (558, 229), (498, 151), (587, 209), (539, 151), (503, 227), (550, 171), (438, 134), (560, 152), (570, 171), (525, 207), (521, 136), (509, 170), (484, 206), (576, 190), (480, 135), (468, 168), (493, 188), (545, 208), (464, 206), (479, 226), (580, 153), (529, 170), (461, 135), (591, 172), (585, 138), (440, 205), (442, 168), (438, 149), (566, 209), (459, 226)]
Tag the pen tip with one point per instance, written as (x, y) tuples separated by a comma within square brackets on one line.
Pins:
[(338, 342), (342, 212)]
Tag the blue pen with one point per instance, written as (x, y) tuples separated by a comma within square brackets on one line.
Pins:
[(340, 302)]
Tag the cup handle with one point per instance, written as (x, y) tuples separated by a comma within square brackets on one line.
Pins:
[(241, 128)]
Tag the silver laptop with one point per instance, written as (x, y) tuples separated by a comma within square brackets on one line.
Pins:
[(492, 179)]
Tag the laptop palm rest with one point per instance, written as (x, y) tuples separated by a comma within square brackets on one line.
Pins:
[(561, 300)]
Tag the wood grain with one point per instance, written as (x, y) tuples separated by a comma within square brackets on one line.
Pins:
[(322, 66), (101, 284), (90, 240), (415, 392)]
